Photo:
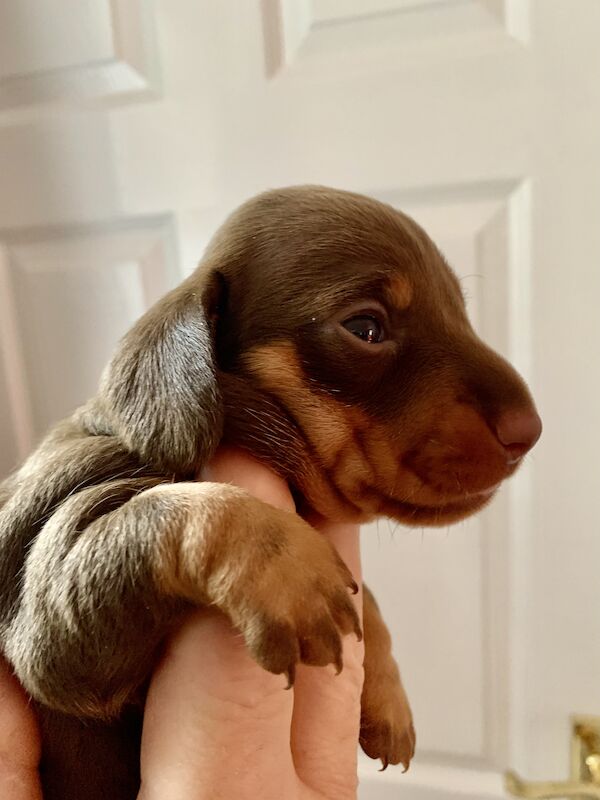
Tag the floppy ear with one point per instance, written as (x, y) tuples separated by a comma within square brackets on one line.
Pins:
[(159, 393)]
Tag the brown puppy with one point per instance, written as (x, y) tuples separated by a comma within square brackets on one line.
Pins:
[(323, 332)]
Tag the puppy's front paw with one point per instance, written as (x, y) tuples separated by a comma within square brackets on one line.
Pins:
[(387, 731), (297, 606)]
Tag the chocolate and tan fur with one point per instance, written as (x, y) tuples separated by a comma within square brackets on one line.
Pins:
[(323, 332)]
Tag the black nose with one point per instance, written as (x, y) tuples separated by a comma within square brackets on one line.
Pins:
[(518, 429)]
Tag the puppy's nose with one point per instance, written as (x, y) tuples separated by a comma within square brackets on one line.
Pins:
[(518, 429)]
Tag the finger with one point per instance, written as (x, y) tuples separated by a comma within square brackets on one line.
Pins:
[(238, 467), (19, 741), (216, 724), (326, 719)]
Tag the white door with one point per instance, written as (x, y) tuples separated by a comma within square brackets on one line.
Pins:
[(127, 131)]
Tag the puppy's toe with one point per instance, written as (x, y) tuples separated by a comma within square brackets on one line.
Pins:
[(391, 740)]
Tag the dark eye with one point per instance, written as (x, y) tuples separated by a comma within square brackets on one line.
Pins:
[(367, 328)]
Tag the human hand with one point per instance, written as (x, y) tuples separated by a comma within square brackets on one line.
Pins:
[(217, 725)]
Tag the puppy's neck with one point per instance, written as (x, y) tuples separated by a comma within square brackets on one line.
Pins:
[(256, 421)]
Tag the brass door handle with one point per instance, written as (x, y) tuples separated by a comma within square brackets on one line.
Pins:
[(585, 768)]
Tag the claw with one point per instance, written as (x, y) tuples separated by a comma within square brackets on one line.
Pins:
[(358, 632), (339, 664), (356, 625), (290, 673)]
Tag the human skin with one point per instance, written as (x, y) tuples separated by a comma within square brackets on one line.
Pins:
[(216, 725)]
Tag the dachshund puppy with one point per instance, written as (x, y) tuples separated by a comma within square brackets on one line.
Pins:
[(324, 333)]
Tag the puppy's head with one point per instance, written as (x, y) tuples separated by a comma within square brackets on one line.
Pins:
[(344, 357)]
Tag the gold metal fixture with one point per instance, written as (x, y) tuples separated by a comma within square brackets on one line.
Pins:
[(585, 768)]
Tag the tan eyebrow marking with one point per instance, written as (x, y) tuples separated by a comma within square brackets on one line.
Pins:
[(399, 291)]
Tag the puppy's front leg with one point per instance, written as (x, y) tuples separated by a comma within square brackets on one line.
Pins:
[(386, 725), (115, 565)]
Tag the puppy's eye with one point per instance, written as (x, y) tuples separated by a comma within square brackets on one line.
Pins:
[(365, 327)]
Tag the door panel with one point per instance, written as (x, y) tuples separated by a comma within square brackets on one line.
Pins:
[(129, 129)]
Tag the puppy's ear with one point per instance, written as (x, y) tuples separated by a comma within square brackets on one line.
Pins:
[(159, 393)]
